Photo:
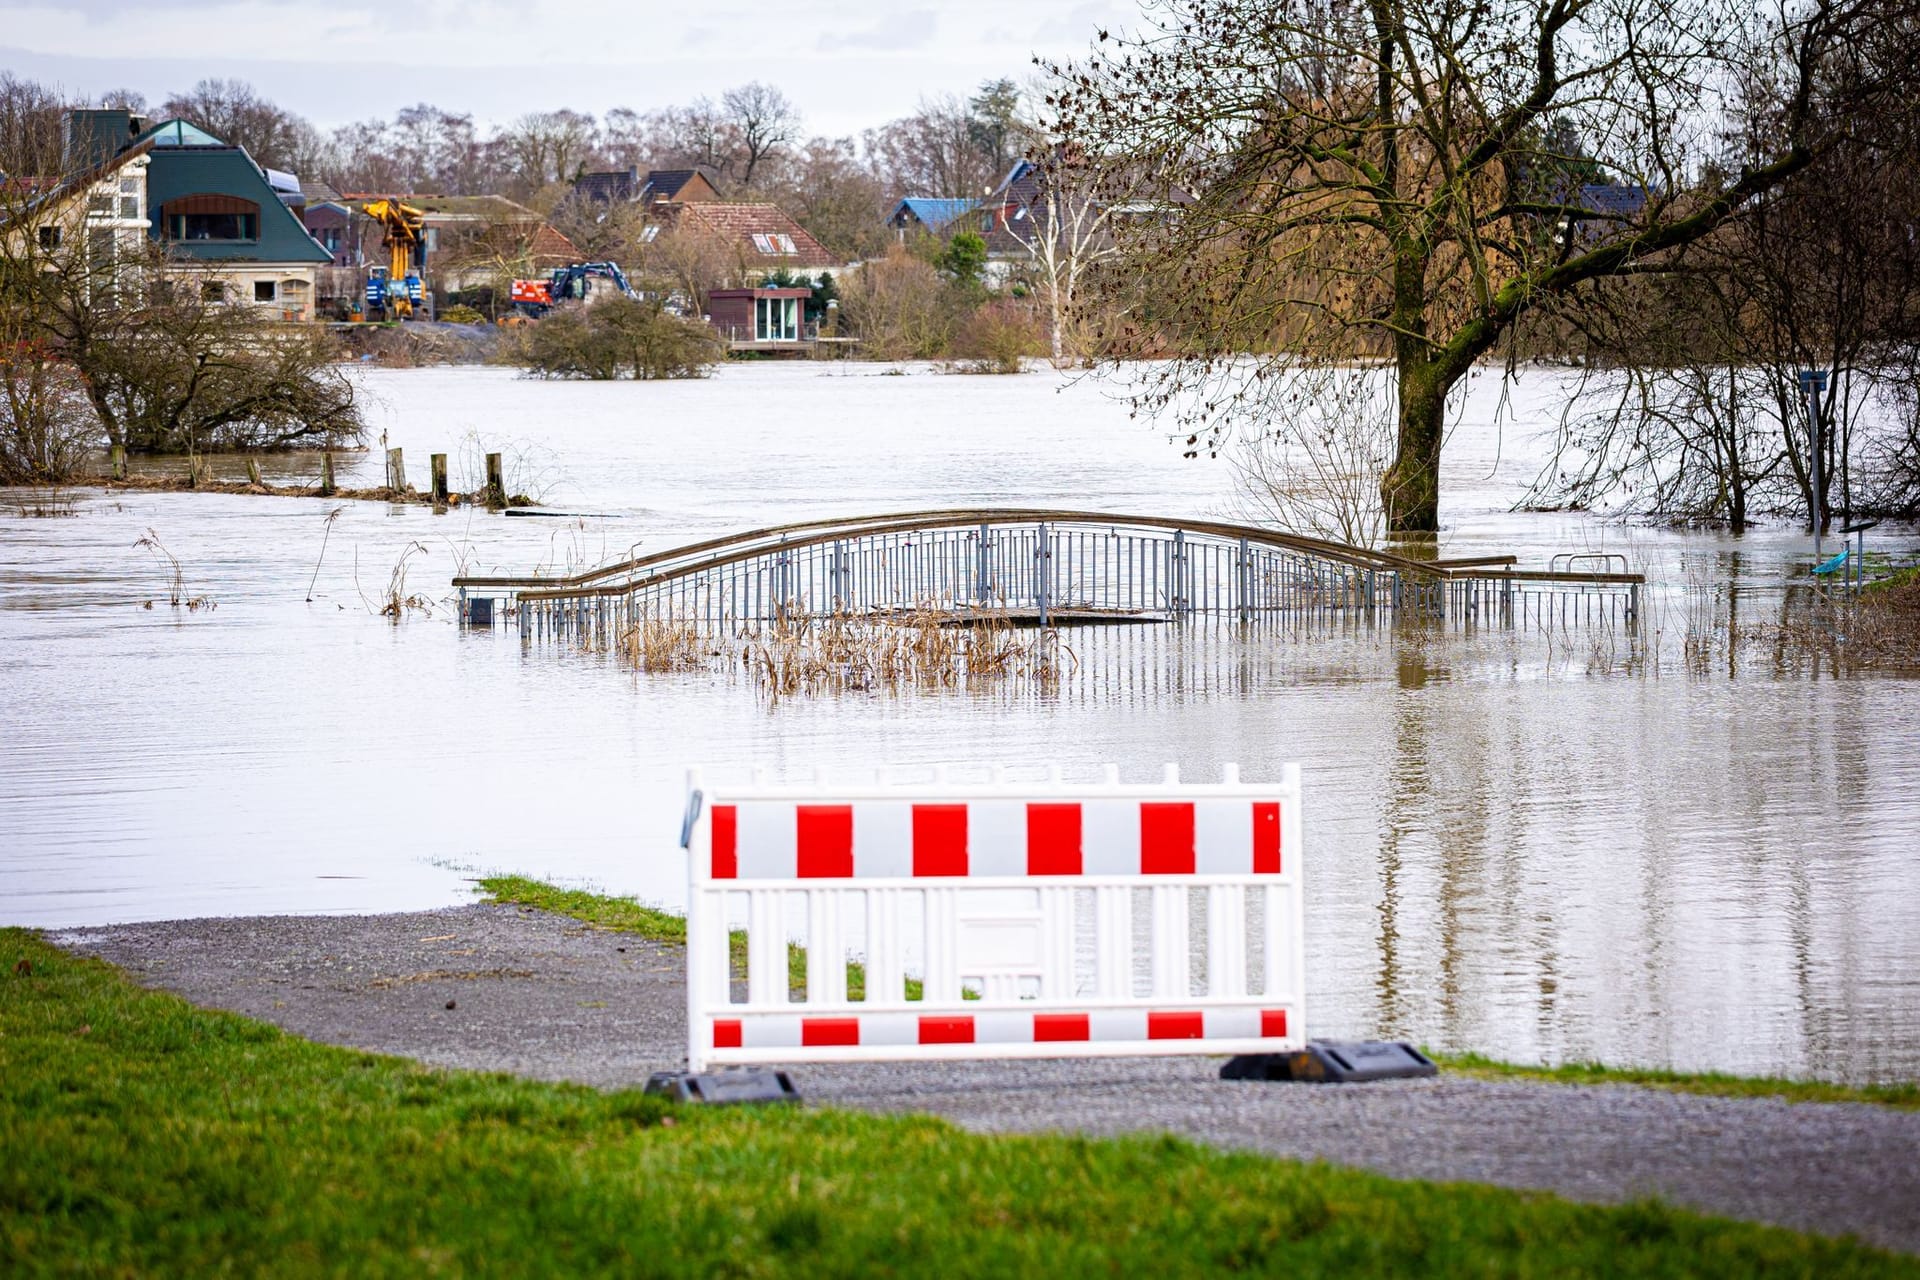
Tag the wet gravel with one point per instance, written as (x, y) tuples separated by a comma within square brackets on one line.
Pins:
[(508, 989)]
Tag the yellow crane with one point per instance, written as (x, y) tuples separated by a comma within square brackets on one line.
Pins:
[(396, 289)]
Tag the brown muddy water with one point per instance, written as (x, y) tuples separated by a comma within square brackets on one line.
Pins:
[(1539, 847)]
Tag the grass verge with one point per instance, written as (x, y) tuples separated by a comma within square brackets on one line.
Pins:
[(145, 1136), (1903, 1096), (629, 915)]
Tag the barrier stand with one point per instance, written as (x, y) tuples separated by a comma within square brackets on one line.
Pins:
[(1016, 904)]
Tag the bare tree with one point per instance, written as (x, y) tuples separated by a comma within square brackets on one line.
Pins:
[(1706, 419), (166, 366), (1069, 235), (31, 141), (1338, 177), (933, 152), (765, 122), (232, 111), (545, 148)]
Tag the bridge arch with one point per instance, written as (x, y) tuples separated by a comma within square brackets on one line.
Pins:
[(1047, 566)]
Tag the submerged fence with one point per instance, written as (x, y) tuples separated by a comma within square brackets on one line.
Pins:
[(1049, 567)]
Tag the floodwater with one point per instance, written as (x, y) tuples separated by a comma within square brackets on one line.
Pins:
[(1516, 844)]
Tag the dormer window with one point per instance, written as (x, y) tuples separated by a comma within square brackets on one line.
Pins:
[(210, 217)]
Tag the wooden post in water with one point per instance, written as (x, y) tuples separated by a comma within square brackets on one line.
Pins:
[(396, 472), (496, 486), (117, 461), (326, 475), (438, 463), (253, 473)]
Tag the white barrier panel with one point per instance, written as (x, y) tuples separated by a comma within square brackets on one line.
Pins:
[(1053, 920)]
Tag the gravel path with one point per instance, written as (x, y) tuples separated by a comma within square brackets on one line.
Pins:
[(505, 988)]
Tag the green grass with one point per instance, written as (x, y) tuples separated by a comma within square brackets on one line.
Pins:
[(1904, 1096), (144, 1136), (627, 914)]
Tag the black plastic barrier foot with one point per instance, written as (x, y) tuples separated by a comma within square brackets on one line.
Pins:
[(740, 1084), (1334, 1062)]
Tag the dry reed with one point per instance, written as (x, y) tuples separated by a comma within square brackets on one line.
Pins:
[(933, 648)]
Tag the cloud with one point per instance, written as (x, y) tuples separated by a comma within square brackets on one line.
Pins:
[(901, 31)]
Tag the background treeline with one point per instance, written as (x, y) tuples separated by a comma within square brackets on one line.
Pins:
[(751, 142)]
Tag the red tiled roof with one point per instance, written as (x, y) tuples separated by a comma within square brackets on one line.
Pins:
[(739, 225)]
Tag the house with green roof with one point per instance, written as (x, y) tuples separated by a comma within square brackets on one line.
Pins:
[(225, 222), (230, 223)]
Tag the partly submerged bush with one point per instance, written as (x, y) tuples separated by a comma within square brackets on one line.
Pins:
[(618, 337), (998, 337)]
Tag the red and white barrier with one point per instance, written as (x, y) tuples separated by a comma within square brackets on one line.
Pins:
[(1043, 919)]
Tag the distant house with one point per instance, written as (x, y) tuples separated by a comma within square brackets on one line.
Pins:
[(659, 187), (1012, 213), (760, 238), (1607, 209), (225, 222), (922, 213), (99, 204)]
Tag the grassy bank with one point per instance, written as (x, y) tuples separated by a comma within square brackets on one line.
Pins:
[(143, 1135), (1905, 1096), (649, 922)]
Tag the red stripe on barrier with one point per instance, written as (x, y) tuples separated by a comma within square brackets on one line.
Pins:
[(1266, 839), (1166, 839), (726, 836), (946, 1030), (1062, 1026), (1273, 1023), (1176, 1026), (824, 835), (1053, 840), (829, 1031), (939, 840), (726, 1033)]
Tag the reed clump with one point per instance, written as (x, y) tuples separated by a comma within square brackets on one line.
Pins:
[(177, 594), (657, 645), (931, 648)]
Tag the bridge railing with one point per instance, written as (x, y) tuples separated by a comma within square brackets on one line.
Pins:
[(1049, 567)]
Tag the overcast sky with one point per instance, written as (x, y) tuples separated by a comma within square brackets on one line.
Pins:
[(848, 64)]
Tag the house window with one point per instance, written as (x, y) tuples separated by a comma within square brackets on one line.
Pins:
[(773, 242), (648, 232), (129, 207), (49, 237), (265, 291), (213, 226), (100, 204), (213, 291)]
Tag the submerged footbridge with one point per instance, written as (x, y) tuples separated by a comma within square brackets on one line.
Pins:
[(1048, 567)]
